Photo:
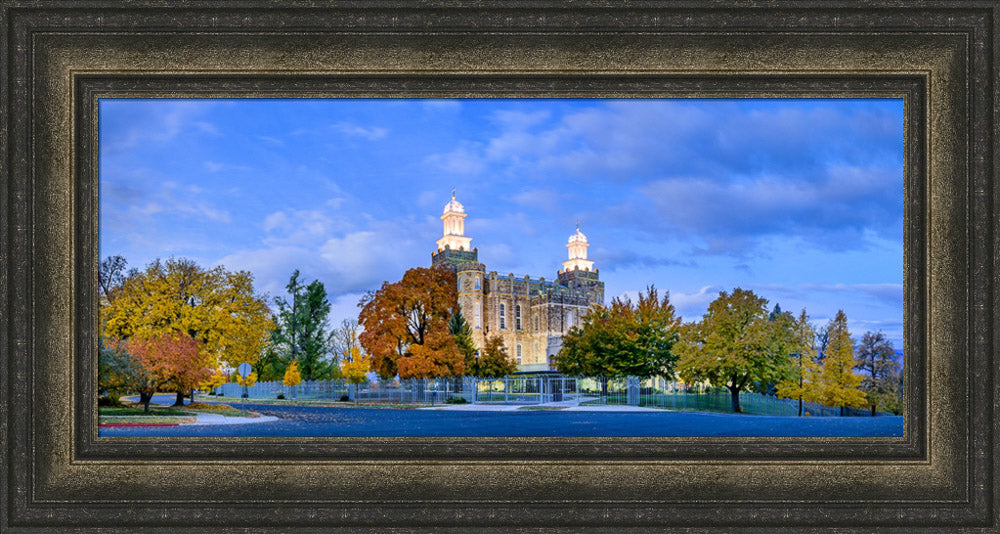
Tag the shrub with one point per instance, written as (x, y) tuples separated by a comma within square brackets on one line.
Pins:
[(281, 396), (344, 398), (456, 400), (109, 400)]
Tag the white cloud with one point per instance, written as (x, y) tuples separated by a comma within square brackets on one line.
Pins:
[(464, 160), (692, 306), (157, 123), (372, 133)]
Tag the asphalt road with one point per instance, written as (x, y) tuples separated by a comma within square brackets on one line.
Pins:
[(318, 421)]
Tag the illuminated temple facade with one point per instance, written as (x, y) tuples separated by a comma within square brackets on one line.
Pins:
[(530, 314)]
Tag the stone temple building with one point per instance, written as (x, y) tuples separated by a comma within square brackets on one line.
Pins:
[(530, 314)]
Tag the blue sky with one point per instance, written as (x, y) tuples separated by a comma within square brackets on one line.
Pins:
[(799, 200)]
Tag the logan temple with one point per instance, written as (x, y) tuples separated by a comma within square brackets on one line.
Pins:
[(530, 315)]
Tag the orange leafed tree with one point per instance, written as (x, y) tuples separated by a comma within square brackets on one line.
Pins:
[(171, 360), (406, 326)]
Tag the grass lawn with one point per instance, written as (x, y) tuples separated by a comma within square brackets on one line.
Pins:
[(131, 414)]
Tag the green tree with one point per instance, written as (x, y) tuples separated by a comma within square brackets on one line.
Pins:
[(623, 339), (840, 383), (118, 373), (734, 345), (494, 361), (876, 359), (301, 331), (804, 381), (462, 332)]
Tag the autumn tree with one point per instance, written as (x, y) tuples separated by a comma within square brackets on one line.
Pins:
[(301, 330), (172, 360), (734, 345), (623, 339), (217, 379), (876, 359), (494, 361), (804, 381), (292, 377), (406, 326), (355, 368), (215, 307), (840, 385)]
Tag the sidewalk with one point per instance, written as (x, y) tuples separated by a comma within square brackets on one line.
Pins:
[(219, 419)]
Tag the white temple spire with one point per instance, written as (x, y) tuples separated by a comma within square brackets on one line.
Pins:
[(454, 227), (577, 249)]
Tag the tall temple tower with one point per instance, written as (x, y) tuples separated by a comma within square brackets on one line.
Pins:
[(454, 227), (577, 248)]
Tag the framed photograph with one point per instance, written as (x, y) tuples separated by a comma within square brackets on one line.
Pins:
[(66, 67)]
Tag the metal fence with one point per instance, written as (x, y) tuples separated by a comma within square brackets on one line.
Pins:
[(662, 393), (537, 389)]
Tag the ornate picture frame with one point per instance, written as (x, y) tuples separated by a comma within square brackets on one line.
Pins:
[(59, 59)]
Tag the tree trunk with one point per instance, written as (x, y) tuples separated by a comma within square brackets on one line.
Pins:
[(800, 406), (192, 395), (873, 410), (735, 394), (180, 398), (841, 410), (144, 398)]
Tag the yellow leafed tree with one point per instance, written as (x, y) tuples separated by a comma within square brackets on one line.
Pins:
[(215, 307), (356, 367), (292, 375), (216, 380), (804, 381), (251, 379), (840, 385)]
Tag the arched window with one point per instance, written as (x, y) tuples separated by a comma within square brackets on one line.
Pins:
[(477, 283), (517, 317), (503, 316)]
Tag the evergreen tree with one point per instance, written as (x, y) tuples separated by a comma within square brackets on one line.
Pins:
[(301, 332), (462, 332)]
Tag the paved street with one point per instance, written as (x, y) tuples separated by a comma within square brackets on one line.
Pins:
[(321, 421)]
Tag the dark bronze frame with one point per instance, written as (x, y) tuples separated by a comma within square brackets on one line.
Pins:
[(59, 58)]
